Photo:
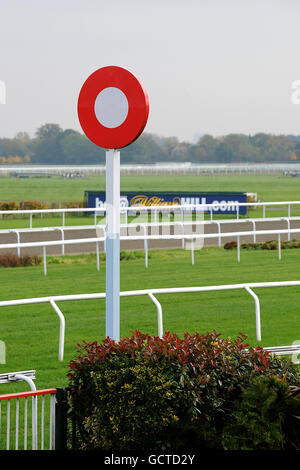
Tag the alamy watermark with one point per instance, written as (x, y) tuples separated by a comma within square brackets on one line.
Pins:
[(2, 92), (296, 357), (295, 97), (160, 222)]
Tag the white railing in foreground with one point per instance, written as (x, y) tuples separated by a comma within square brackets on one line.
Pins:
[(17, 404), (152, 293), (146, 238)]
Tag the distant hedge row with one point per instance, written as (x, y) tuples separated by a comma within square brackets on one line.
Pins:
[(13, 261), (32, 205)]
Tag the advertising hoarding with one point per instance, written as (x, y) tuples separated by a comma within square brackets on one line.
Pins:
[(223, 202)]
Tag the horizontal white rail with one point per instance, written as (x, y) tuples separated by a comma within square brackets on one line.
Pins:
[(15, 376), (148, 237), (145, 226), (156, 209), (183, 223), (152, 293), (154, 168), (171, 207)]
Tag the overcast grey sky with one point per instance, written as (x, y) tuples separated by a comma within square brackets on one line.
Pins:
[(209, 66)]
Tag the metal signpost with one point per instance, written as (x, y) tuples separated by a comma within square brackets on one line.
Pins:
[(113, 109)]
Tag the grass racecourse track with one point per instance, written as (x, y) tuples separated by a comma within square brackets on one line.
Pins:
[(269, 188), (31, 332), (275, 187)]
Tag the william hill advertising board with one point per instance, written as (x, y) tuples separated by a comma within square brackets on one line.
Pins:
[(223, 203)]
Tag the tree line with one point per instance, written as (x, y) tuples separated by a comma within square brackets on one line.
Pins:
[(51, 145)]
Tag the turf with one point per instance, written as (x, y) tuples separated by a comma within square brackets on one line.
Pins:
[(273, 187), (31, 332)]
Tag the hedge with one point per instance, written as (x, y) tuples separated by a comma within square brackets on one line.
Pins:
[(150, 394)]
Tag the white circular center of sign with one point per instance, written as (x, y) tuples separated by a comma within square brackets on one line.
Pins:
[(111, 107)]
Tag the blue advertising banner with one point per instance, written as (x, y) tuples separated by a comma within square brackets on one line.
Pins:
[(223, 202)]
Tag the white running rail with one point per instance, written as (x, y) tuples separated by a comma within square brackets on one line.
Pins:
[(146, 238), (152, 293), (156, 209)]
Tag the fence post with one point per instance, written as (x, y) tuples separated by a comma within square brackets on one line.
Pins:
[(159, 314), (219, 232), (145, 244), (61, 425), (254, 230), (257, 312), (97, 256), (62, 237), (289, 229), (18, 241), (192, 251), (44, 260)]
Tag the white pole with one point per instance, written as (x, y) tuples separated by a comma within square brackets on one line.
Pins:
[(145, 245), (159, 314), (254, 230), (97, 256), (257, 312), (44, 259), (18, 241), (62, 326), (193, 259), (289, 229), (219, 232), (113, 244), (62, 237)]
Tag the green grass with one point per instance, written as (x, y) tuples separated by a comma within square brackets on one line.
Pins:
[(31, 332), (268, 187), (275, 187)]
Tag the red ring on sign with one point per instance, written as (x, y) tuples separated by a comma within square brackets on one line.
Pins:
[(138, 107)]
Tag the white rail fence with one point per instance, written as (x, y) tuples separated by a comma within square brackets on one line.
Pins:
[(146, 226), (211, 208), (192, 238), (154, 168), (152, 293)]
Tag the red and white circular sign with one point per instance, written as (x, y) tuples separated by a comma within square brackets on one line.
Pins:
[(113, 107)]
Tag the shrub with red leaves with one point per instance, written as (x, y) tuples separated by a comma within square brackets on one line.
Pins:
[(203, 374)]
